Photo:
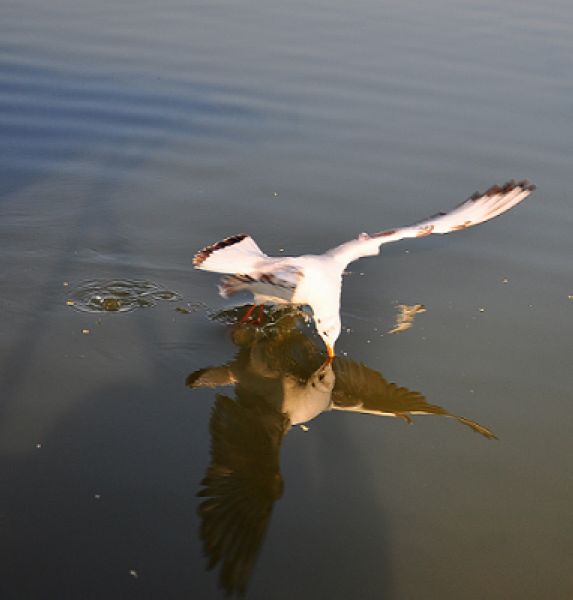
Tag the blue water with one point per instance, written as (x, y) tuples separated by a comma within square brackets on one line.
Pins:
[(133, 134)]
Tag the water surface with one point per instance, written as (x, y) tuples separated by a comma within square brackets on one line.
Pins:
[(133, 134)]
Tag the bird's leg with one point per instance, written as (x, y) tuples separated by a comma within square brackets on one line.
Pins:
[(247, 314), (259, 318)]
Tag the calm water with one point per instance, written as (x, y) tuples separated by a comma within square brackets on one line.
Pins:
[(133, 133)]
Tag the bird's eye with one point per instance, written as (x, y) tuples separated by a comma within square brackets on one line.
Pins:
[(321, 376), (324, 333)]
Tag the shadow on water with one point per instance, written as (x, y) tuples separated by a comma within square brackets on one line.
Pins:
[(280, 380), (92, 216)]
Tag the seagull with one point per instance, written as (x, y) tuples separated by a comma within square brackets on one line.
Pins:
[(279, 381), (315, 280)]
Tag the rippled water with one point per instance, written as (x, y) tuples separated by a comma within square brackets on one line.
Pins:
[(118, 295), (135, 133)]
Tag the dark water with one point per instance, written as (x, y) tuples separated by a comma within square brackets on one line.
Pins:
[(133, 133)]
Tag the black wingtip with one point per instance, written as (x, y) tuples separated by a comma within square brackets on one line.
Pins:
[(507, 187), (527, 185), (204, 254)]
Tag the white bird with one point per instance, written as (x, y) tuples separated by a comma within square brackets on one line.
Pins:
[(316, 279)]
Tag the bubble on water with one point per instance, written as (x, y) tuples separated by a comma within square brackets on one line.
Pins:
[(118, 295)]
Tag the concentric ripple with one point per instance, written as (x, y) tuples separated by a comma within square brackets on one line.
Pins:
[(118, 295)]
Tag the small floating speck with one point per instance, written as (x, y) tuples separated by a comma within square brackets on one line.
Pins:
[(482, 309), (38, 446), (570, 297), (66, 283), (405, 317), (70, 302), (276, 194), (505, 280), (281, 249), (183, 311), (134, 573), (97, 496), (304, 427), (361, 273), (86, 331)]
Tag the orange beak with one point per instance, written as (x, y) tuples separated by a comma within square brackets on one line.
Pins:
[(330, 351)]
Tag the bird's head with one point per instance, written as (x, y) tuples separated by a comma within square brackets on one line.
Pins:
[(329, 330)]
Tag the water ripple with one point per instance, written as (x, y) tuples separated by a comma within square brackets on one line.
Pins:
[(118, 295)]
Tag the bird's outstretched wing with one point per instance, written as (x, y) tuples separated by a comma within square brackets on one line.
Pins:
[(361, 389), (235, 254), (241, 485), (476, 209)]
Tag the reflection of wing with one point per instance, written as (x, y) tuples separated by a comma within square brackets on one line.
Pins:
[(241, 485), (361, 389), (476, 209), (211, 377)]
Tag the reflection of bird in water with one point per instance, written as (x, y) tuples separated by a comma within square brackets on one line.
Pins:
[(280, 380), (315, 280)]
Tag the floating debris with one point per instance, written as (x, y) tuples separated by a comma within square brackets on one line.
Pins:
[(304, 427), (482, 309), (405, 317), (191, 307), (86, 331), (134, 573), (505, 280), (66, 283), (118, 295), (38, 446)]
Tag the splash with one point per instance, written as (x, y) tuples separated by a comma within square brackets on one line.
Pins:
[(118, 295)]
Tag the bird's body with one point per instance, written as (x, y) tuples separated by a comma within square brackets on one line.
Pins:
[(316, 280)]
